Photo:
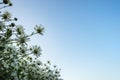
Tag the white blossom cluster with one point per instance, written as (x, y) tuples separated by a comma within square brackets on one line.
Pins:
[(18, 60)]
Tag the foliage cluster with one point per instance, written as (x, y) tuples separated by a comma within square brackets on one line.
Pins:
[(18, 60)]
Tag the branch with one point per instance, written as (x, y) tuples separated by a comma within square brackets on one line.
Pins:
[(1, 2), (4, 7)]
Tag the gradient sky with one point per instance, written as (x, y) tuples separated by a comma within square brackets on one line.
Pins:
[(82, 37)]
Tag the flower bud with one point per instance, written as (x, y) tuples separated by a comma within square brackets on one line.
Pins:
[(10, 4), (15, 19)]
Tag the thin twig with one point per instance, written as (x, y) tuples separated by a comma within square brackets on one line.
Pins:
[(4, 7), (1, 2)]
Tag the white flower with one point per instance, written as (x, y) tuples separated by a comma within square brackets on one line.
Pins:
[(39, 62), (6, 1), (20, 30), (39, 29), (22, 39), (6, 15), (36, 51)]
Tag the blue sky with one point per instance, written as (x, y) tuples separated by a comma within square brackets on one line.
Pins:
[(82, 37)]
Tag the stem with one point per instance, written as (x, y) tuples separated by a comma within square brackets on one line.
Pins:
[(1, 2), (4, 7)]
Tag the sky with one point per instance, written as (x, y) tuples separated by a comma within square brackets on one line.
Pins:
[(82, 37)]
